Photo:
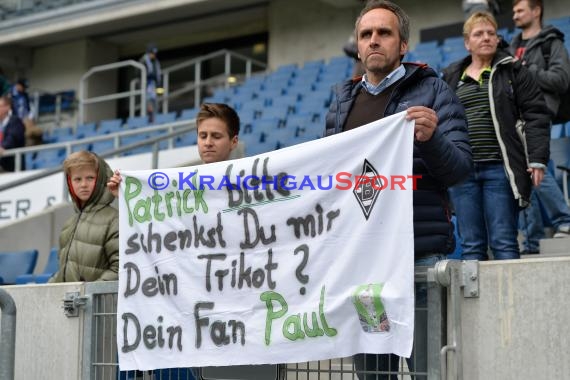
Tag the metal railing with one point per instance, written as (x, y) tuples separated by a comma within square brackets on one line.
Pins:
[(199, 83), (173, 130), (443, 282), (83, 100)]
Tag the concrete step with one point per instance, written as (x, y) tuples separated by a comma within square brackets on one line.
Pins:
[(555, 247)]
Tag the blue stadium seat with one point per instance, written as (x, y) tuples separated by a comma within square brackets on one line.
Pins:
[(247, 116), (277, 111), (288, 101), (187, 139), (137, 122), (256, 105), (59, 134), (164, 118), (426, 46), (48, 158), (102, 146), (188, 113), (51, 267), (110, 126), (127, 140), (14, 264), (266, 124), (560, 22), (301, 87), (86, 130), (298, 120), (284, 136), (78, 147), (268, 145)]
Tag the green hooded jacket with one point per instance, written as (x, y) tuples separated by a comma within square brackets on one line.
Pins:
[(89, 241)]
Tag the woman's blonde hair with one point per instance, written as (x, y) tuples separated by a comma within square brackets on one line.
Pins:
[(80, 159), (476, 18)]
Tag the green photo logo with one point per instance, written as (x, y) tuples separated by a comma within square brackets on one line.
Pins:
[(371, 313)]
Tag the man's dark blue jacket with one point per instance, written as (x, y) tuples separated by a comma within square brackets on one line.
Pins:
[(443, 161)]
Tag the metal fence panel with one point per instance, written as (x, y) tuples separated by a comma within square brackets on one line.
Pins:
[(100, 349)]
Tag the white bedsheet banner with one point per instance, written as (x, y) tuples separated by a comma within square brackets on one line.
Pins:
[(305, 253)]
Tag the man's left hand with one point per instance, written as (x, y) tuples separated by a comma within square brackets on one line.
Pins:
[(426, 122)]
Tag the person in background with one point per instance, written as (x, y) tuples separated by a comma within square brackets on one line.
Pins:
[(23, 109), (497, 92), (541, 49), (442, 155), (471, 6), (89, 240), (12, 134), (351, 50), (153, 79)]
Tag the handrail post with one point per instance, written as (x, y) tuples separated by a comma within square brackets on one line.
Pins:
[(83, 100), (7, 335), (227, 68), (248, 68), (166, 88), (132, 97), (58, 110), (197, 81)]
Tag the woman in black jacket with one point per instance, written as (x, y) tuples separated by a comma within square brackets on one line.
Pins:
[(508, 125)]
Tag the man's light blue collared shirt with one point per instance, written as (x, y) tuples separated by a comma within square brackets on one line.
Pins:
[(390, 79)]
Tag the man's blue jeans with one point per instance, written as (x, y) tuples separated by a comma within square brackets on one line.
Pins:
[(550, 197), (387, 364), (486, 213)]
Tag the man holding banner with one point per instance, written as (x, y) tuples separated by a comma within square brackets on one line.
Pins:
[(441, 153)]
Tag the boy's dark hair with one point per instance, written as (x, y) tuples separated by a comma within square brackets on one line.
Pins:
[(223, 112)]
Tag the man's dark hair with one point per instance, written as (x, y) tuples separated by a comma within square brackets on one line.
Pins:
[(223, 112), (532, 5), (403, 19)]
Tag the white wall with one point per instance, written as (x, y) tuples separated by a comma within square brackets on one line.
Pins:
[(48, 344), (58, 67), (301, 30)]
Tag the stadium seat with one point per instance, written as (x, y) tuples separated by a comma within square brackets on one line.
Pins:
[(188, 113), (103, 146), (137, 122), (267, 145), (110, 126), (278, 112), (187, 139), (14, 264), (132, 139), (48, 158), (164, 118), (59, 134), (86, 130), (51, 267)]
